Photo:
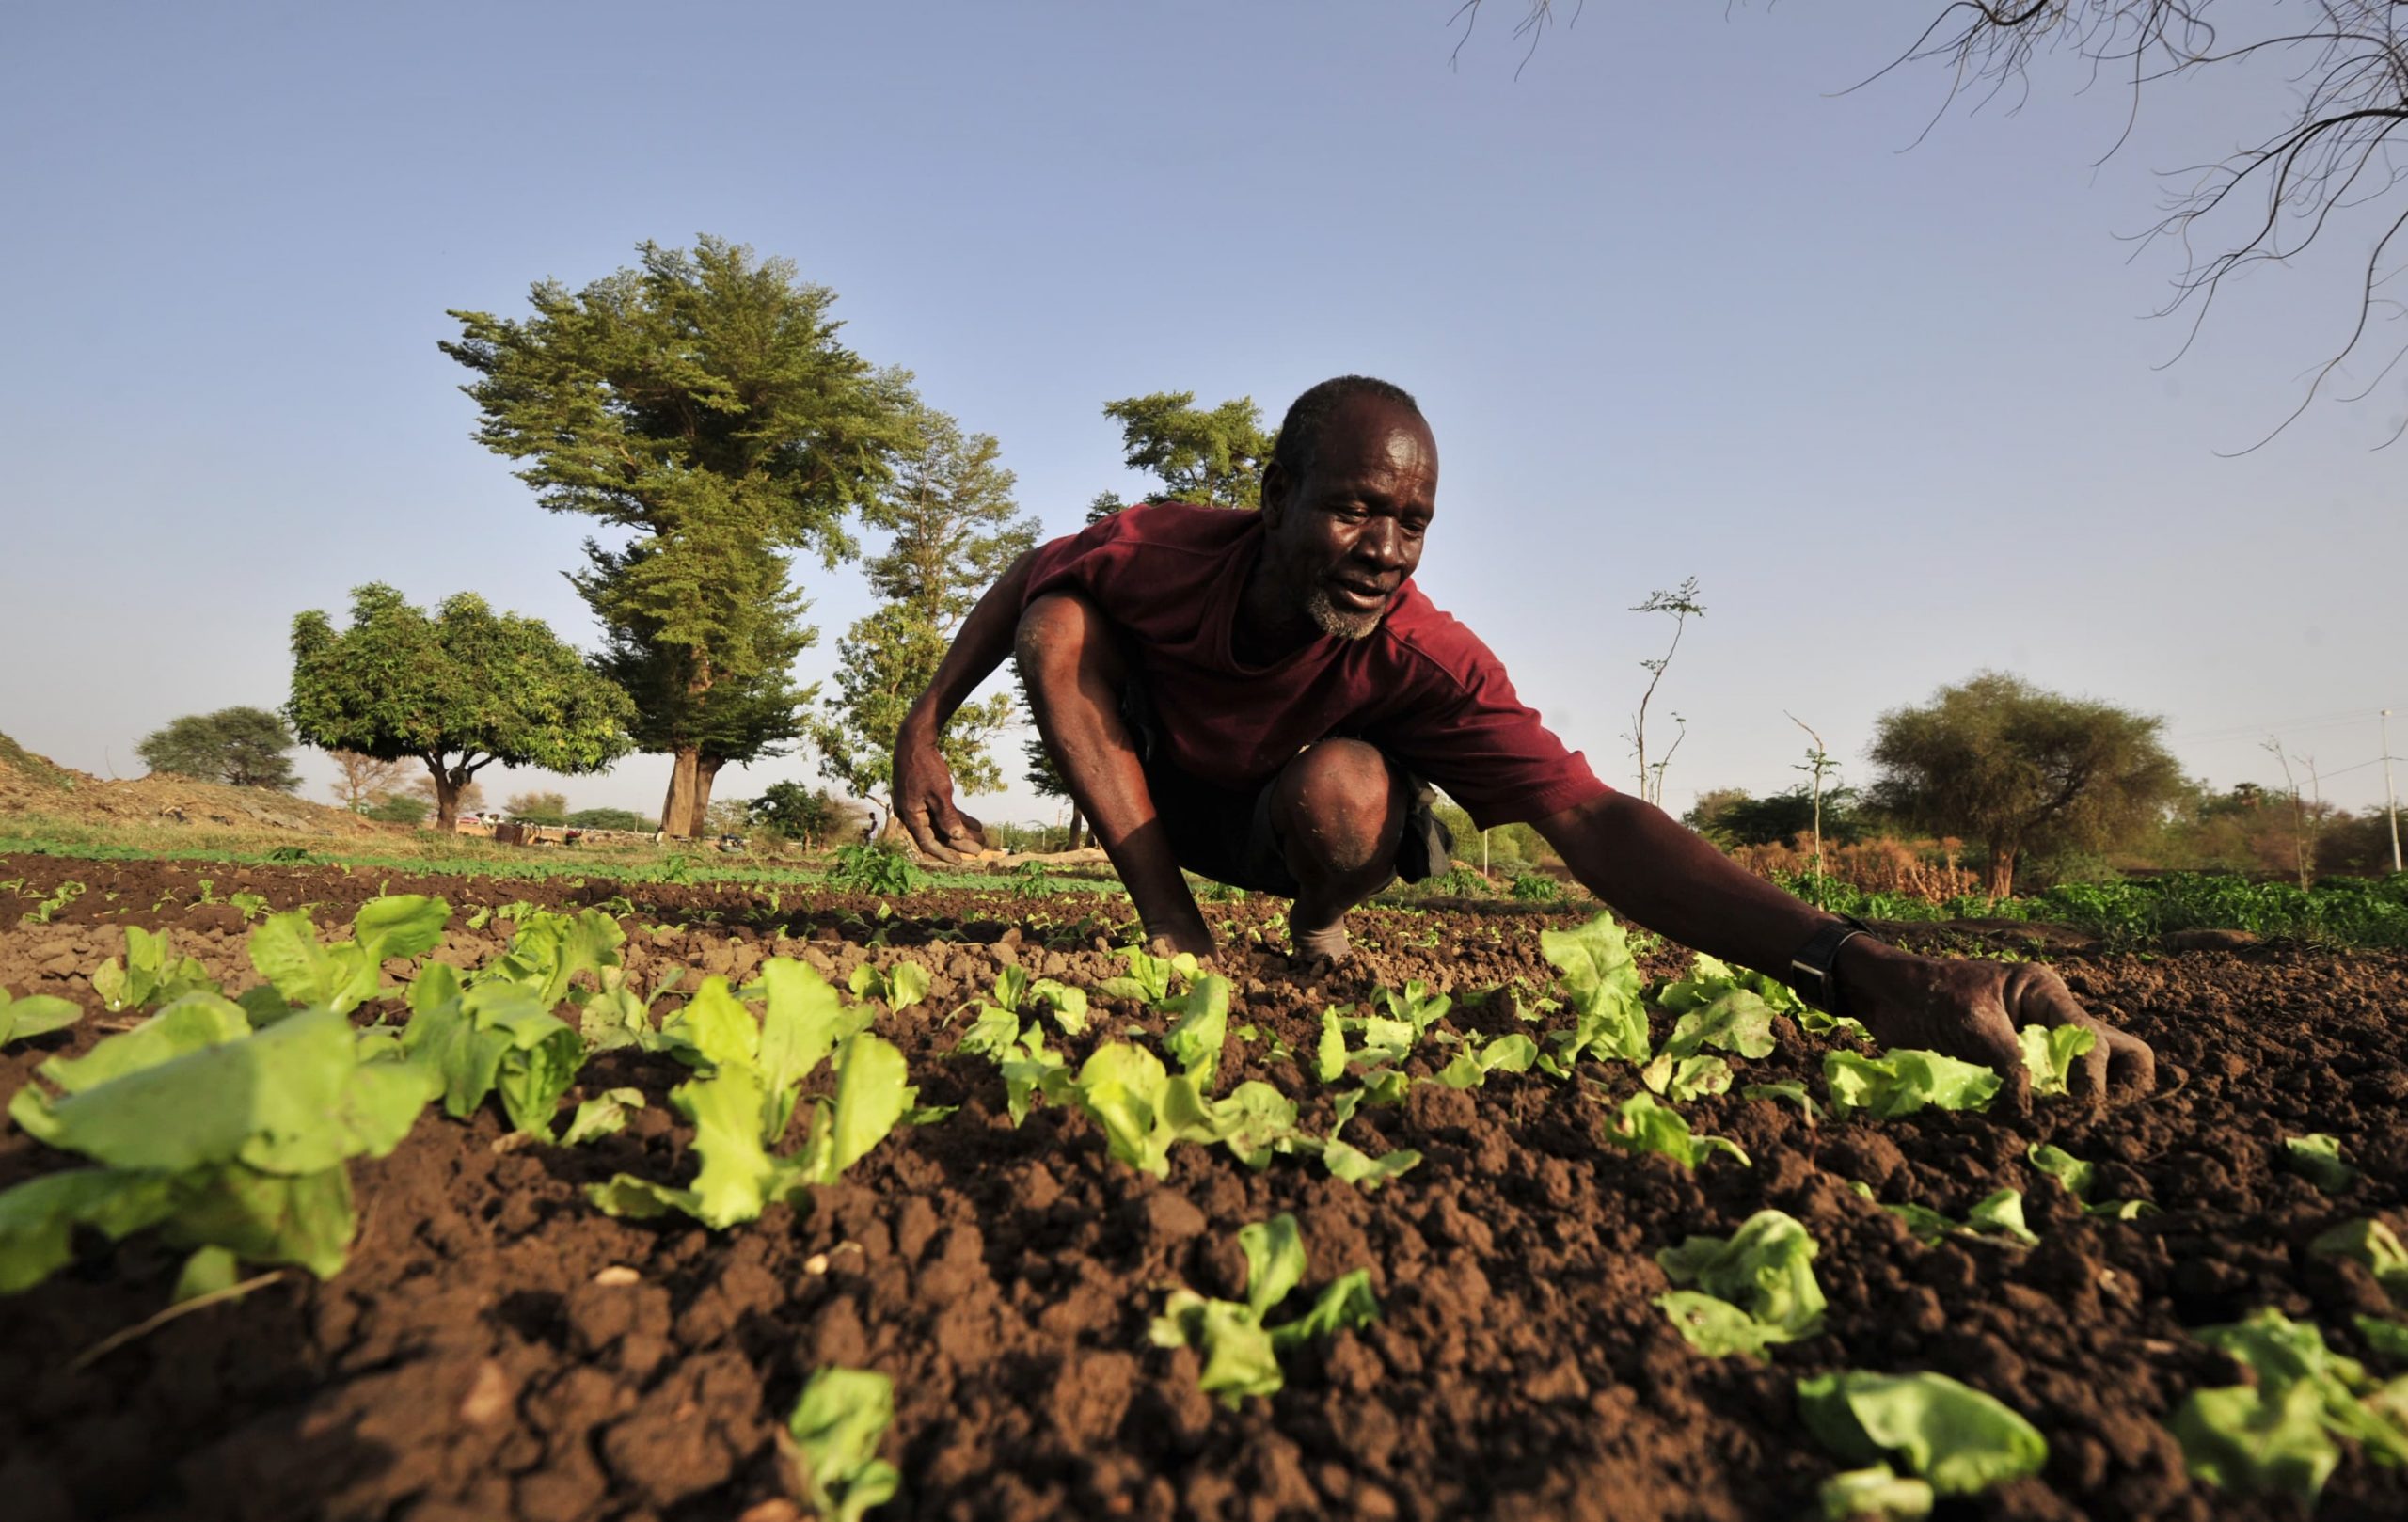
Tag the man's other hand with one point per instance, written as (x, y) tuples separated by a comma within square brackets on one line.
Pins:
[(923, 801), (1972, 1010)]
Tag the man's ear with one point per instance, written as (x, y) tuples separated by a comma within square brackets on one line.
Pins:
[(1274, 494)]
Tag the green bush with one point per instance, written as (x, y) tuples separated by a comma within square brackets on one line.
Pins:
[(1537, 888), (874, 869), (400, 809)]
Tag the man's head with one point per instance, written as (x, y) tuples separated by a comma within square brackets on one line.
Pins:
[(1349, 493)]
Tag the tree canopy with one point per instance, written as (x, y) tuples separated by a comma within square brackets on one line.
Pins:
[(241, 747), (702, 403), (457, 691), (1999, 760), (953, 531), (1212, 456)]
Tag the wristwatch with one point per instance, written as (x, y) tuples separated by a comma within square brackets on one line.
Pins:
[(1811, 966)]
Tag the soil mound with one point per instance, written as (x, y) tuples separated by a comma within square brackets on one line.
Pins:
[(34, 784)]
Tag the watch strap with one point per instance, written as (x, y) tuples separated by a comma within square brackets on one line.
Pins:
[(1812, 966)]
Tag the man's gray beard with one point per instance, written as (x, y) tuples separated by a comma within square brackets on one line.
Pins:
[(1339, 622)]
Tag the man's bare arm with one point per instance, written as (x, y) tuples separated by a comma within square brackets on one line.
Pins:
[(1669, 879), (922, 782)]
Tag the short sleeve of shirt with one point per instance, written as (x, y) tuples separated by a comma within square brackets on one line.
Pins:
[(1085, 561), (1466, 730)]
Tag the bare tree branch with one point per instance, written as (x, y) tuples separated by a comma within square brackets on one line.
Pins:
[(2264, 202)]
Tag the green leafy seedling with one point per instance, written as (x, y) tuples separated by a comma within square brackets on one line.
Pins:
[(1240, 1352), (2276, 1435), (1955, 1437), (1794, 1092), (1641, 1125), (2050, 1052), (149, 973), (1904, 1080), (36, 1014), (1601, 985), (2317, 1158), (2374, 1247), (1753, 1288), (831, 1441)]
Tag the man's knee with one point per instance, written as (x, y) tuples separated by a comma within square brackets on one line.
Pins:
[(1344, 805)]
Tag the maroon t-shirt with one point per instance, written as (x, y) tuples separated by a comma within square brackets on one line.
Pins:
[(1423, 686)]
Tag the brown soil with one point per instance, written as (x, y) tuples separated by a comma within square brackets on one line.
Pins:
[(34, 785), (475, 1361)]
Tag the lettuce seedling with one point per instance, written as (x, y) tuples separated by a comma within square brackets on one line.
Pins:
[(2317, 1158), (1755, 1288), (2050, 1052), (1904, 1080), (1240, 1353), (1601, 985), (1470, 1067), (490, 1037), (738, 1177), (1959, 1439), (341, 975), (1195, 1041), (1877, 1490), (2373, 1245), (601, 1116), (2389, 1338), (1688, 1078), (36, 1014), (832, 1441), (1641, 1125), (2078, 1176), (901, 985), (239, 1143), (2277, 1435), (1737, 1021), (1999, 1214), (1141, 1107), (1149, 978), (1417, 1005), (151, 974), (1068, 1006)]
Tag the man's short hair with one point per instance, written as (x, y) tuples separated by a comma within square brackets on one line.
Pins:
[(1300, 431)]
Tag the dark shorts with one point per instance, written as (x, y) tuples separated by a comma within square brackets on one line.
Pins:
[(1226, 834)]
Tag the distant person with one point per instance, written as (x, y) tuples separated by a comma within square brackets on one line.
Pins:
[(1264, 698)]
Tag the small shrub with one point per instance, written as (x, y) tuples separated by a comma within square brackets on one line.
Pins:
[(1536, 888), (873, 869)]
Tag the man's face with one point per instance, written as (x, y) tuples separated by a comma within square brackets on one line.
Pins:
[(1343, 537)]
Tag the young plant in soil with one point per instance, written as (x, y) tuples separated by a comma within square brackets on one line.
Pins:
[(1240, 1352), (830, 1444)]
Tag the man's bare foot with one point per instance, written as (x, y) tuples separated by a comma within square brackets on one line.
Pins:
[(1325, 945)]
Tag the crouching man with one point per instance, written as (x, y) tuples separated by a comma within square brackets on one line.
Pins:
[(1265, 699)]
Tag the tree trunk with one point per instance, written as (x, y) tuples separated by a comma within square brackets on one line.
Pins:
[(447, 796), (1078, 826), (677, 809), (706, 773), (2002, 881)]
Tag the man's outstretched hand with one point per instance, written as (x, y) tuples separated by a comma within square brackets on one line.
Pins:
[(923, 801), (1971, 1009)]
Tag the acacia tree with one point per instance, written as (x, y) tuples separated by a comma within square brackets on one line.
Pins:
[(362, 782), (240, 746), (2332, 75), (2019, 768), (700, 403), (1212, 456), (457, 691), (950, 516)]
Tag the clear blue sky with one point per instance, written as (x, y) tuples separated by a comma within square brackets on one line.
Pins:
[(1673, 306)]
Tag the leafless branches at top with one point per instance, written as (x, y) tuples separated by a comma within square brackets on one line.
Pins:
[(2328, 155)]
